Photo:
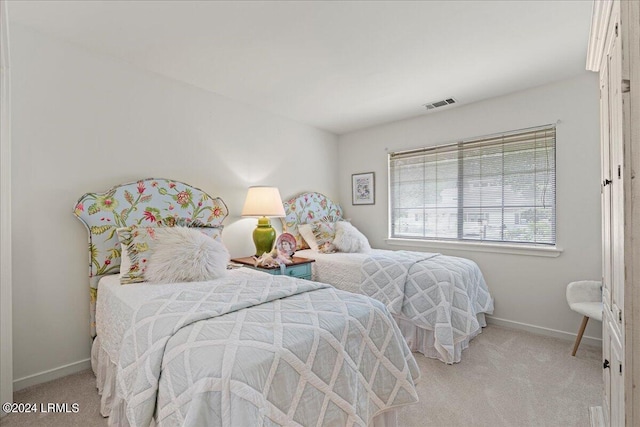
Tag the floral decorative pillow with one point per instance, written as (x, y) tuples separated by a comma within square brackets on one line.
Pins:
[(125, 260), (324, 232), (307, 234), (140, 241)]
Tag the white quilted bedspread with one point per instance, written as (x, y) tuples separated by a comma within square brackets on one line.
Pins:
[(262, 351), (440, 293)]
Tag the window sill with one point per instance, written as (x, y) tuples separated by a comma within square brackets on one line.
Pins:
[(551, 252)]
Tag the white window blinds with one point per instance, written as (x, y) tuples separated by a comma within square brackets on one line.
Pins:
[(499, 189)]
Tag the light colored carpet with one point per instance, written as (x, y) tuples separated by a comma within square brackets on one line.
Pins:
[(509, 378), (506, 378)]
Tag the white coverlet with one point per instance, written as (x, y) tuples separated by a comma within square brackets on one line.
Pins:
[(442, 308), (339, 269), (438, 292), (117, 304), (385, 277), (263, 350)]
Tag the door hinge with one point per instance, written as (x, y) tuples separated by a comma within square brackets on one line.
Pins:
[(620, 316), (616, 30), (620, 365), (619, 173), (626, 86)]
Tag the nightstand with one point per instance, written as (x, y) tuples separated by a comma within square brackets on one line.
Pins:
[(300, 267)]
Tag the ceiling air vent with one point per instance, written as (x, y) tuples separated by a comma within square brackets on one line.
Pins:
[(438, 104)]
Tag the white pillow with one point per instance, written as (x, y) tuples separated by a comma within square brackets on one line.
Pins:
[(184, 254), (350, 239), (306, 231)]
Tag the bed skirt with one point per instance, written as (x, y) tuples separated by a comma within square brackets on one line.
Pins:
[(422, 340), (105, 371)]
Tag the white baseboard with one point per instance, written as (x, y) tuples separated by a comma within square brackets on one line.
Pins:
[(596, 416), (592, 341), (51, 374)]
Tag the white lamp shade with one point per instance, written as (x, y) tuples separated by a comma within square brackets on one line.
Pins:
[(263, 201)]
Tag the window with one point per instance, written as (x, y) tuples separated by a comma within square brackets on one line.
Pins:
[(496, 189)]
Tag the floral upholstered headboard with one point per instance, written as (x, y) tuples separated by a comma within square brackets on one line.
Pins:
[(307, 208), (148, 202)]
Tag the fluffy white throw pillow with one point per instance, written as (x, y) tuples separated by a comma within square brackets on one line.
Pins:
[(350, 239), (185, 255)]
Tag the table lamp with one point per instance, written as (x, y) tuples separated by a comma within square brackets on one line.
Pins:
[(263, 202)]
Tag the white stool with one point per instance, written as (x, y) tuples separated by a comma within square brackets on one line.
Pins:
[(585, 297)]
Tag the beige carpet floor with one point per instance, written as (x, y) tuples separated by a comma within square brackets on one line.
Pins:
[(506, 378)]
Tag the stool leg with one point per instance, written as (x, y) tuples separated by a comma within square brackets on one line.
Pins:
[(580, 332)]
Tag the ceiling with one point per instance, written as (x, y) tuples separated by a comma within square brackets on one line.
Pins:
[(335, 65)]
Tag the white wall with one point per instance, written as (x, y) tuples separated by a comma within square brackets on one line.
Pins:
[(85, 122), (528, 290), (6, 348)]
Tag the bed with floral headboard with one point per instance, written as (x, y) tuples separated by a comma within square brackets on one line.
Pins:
[(307, 208), (196, 352), (438, 301), (147, 202)]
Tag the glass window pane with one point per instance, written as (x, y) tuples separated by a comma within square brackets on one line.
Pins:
[(495, 189)]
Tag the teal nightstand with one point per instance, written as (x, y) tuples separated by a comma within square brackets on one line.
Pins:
[(300, 267)]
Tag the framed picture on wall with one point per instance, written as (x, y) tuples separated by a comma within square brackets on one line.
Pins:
[(363, 190)]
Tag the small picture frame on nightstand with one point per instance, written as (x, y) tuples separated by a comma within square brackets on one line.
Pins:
[(286, 246)]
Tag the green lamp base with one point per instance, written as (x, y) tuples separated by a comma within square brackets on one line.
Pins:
[(264, 236)]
